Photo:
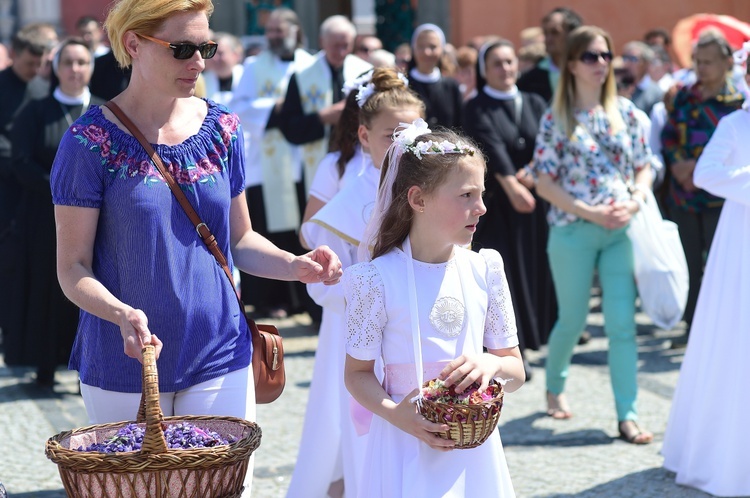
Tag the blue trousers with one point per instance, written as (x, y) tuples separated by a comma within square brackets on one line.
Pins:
[(574, 251)]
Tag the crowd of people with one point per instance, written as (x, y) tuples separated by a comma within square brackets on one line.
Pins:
[(469, 196)]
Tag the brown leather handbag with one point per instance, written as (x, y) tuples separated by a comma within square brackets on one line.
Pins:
[(268, 349)]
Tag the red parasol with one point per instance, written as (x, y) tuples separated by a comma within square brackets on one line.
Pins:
[(687, 30)]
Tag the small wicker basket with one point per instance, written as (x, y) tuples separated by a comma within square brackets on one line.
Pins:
[(470, 425), (155, 471)]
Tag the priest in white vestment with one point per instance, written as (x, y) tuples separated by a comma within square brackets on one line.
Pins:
[(314, 99), (272, 165)]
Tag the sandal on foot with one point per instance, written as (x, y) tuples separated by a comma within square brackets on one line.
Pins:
[(557, 406), (631, 433)]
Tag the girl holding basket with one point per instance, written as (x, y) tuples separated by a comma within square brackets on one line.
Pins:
[(454, 303)]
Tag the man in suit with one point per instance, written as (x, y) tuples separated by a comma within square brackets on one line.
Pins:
[(28, 48), (543, 78), (109, 79)]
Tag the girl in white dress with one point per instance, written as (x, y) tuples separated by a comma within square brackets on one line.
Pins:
[(422, 284), (331, 447), (707, 443)]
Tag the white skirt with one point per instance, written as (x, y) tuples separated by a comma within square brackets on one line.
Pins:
[(707, 442)]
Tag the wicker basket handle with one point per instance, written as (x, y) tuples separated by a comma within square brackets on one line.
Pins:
[(149, 409)]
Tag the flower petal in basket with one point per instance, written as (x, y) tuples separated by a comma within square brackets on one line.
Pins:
[(469, 425)]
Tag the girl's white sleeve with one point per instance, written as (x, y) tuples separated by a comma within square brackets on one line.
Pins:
[(724, 165), (500, 324), (329, 296), (365, 311), (325, 183)]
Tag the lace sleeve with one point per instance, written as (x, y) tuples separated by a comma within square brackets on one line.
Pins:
[(365, 311), (500, 325)]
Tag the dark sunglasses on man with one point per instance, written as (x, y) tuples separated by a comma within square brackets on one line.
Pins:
[(590, 57), (184, 51)]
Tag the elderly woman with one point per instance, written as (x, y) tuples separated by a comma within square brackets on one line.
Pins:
[(693, 116), (591, 153), (50, 320), (128, 255)]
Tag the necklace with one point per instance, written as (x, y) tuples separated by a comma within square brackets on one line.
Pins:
[(84, 102), (66, 112)]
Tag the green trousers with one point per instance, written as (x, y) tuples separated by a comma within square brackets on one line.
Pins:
[(574, 251)]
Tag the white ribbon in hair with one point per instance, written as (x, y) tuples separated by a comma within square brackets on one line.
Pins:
[(365, 88), (356, 83), (405, 135)]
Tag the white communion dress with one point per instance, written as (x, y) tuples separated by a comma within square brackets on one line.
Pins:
[(462, 305), (331, 448), (707, 442)]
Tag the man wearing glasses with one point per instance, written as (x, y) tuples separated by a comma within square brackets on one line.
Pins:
[(365, 45), (636, 57)]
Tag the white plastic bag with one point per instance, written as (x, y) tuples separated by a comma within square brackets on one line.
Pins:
[(661, 272)]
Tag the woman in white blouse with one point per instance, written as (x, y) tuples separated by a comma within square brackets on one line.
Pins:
[(591, 153)]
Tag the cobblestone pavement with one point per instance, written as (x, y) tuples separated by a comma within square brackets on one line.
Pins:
[(580, 457)]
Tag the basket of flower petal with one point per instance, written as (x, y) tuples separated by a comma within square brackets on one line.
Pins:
[(156, 456), (471, 415)]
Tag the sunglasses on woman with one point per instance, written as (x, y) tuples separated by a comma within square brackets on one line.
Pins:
[(184, 51), (589, 57)]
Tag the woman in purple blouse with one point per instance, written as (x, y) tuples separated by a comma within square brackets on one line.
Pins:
[(128, 255)]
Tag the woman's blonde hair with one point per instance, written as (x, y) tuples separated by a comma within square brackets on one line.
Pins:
[(145, 17), (565, 96)]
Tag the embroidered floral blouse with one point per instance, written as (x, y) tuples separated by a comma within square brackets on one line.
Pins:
[(594, 165), (147, 253)]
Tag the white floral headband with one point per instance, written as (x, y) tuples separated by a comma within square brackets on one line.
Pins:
[(405, 138), (365, 88)]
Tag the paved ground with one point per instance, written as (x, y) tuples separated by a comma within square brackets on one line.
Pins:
[(580, 457)]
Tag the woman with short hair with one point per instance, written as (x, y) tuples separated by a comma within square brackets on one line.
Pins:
[(129, 256)]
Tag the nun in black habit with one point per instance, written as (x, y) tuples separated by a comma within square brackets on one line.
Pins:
[(50, 320), (504, 121), (441, 94)]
